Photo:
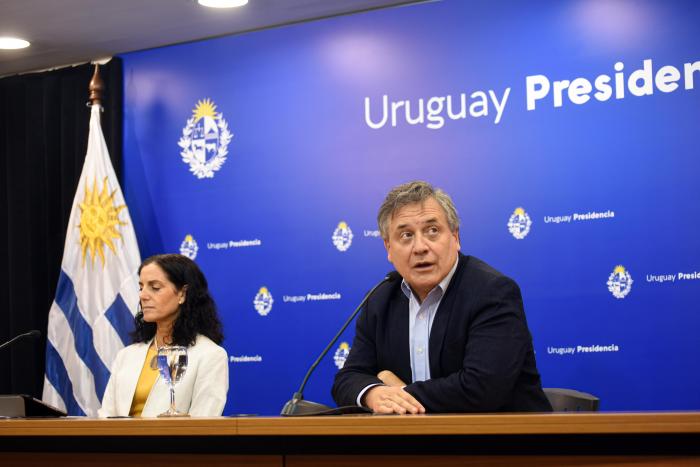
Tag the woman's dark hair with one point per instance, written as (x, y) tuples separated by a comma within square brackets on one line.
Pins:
[(198, 312)]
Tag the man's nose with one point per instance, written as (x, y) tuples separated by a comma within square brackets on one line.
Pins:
[(420, 246)]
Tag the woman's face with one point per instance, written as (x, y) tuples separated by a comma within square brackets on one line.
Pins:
[(160, 299)]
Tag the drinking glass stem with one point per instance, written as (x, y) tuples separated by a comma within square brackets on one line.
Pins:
[(172, 399)]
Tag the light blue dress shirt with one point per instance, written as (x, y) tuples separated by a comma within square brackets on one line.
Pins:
[(420, 322)]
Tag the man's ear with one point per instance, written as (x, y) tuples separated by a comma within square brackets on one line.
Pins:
[(459, 245), (388, 250)]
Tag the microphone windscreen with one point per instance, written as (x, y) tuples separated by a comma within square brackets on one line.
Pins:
[(35, 333)]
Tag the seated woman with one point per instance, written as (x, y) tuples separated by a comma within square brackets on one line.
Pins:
[(175, 309)]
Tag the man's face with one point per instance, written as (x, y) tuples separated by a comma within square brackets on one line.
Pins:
[(421, 246)]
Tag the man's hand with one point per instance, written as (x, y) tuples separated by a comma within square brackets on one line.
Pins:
[(390, 379), (391, 399)]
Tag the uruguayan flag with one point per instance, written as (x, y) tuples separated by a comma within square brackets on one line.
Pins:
[(97, 294)]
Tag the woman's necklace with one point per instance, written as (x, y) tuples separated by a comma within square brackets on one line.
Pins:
[(154, 360)]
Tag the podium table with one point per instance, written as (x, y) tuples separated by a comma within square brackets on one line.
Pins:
[(553, 439)]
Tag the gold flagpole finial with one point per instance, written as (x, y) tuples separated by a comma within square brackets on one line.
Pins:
[(96, 87)]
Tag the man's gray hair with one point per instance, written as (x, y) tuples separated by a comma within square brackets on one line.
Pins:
[(411, 193)]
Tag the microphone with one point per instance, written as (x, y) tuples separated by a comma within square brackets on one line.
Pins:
[(297, 406), (33, 334)]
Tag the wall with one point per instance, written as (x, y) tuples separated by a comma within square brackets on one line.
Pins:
[(603, 166)]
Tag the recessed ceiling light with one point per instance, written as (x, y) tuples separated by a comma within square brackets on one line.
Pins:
[(13, 43), (222, 3)]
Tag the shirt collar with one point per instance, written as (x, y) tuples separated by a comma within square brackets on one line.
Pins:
[(442, 285)]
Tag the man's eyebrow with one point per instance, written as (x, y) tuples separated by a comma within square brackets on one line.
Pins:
[(432, 220)]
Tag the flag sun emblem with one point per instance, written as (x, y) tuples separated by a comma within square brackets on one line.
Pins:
[(99, 218)]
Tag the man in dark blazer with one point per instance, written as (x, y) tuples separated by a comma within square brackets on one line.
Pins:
[(451, 336)]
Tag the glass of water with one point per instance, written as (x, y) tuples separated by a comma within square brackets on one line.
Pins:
[(172, 365)]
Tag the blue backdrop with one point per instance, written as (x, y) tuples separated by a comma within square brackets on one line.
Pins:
[(566, 133)]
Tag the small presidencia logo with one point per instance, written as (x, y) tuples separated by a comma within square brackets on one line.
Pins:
[(189, 247), (519, 224), (204, 140), (620, 282), (263, 301), (341, 354), (342, 236)]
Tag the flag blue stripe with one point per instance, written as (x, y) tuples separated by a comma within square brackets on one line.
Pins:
[(58, 377), (82, 333), (121, 318)]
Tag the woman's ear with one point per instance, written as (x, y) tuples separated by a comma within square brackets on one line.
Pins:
[(183, 295)]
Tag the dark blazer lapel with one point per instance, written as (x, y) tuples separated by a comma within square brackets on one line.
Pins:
[(442, 320), (398, 340)]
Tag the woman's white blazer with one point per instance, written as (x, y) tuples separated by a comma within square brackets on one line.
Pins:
[(201, 392)]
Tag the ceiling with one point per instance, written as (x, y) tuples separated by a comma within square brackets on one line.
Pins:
[(66, 32)]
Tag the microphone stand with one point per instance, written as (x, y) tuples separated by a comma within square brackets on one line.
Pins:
[(297, 406), (22, 405)]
